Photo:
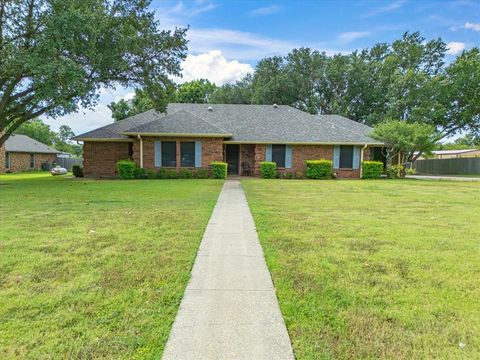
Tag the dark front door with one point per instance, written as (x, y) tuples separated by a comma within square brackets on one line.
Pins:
[(232, 157)]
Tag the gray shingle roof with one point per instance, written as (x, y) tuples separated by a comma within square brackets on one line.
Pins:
[(114, 131), (181, 122), (25, 144), (281, 124), (245, 123)]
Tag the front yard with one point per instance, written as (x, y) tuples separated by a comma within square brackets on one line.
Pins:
[(95, 269), (374, 269)]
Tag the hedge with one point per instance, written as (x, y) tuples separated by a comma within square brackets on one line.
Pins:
[(319, 169), (127, 169), (268, 170), (77, 171), (219, 169), (372, 169)]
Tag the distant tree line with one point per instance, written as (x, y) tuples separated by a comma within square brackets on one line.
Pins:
[(60, 140), (406, 80)]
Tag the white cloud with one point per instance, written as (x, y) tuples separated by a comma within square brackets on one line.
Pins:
[(83, 120), (347, 37), (472, 26), (214, 67), (393, 6), (455, 47), (267, 10), (239, 45)]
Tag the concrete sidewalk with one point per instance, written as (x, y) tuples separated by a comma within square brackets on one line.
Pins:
[(229, 309), (443, 177)]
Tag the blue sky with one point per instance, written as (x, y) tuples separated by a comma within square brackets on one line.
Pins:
[(227, 38)]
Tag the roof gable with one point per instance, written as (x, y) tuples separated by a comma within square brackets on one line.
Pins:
[(238, 123), (25, 144), (181, 123)]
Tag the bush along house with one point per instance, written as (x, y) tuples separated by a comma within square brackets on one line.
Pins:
[(192, 136)]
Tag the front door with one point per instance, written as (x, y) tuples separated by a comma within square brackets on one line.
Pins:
[(232, 158)]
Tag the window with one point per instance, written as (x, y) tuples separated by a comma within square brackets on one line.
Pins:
[(7, 160), (187, 152), (32, 161), (346, 157), (278, 155), (169, 153), (130, 150)]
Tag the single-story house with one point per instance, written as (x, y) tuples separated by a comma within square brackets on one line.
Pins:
[(20, 153), (193, 135), (452, 154)]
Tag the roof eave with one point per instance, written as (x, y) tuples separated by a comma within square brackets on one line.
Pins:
[(101, 139), (305, 142), (178, 134)]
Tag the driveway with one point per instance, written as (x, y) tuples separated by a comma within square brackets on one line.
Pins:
[(443, 177)]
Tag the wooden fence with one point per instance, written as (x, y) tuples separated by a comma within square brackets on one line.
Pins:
[(461, 166), (67, 163)]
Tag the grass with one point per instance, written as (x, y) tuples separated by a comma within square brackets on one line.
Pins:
[(95, 269), (374, 269)]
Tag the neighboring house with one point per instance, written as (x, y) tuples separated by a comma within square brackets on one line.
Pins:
[(21, 153), (452, 154), (194, 135)]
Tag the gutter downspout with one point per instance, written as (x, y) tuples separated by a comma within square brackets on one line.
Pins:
[(141, 150), (361, 159)]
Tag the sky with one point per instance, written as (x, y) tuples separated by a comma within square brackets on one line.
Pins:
[(228, 38)]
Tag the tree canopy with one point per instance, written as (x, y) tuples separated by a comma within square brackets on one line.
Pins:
[(195, 91), (55, 55), (407, 80), (404, 139), (61, 140)]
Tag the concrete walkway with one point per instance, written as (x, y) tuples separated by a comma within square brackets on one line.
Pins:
[(443, 177), (229, 309)]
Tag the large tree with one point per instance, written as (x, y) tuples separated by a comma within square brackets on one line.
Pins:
[(140, 102), (195, 91), (55, 55)]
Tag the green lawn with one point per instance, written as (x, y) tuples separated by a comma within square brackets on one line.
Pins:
[(374, 269), (95, 269)]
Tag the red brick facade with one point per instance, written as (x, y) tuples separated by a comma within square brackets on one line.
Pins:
[(212, 150), (100, 158), (22, 161)]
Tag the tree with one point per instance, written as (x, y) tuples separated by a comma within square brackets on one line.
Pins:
[(63, 141), (123, 109), (55, 55), (406, 140), (240, 92), (196, 91), (38, 130)]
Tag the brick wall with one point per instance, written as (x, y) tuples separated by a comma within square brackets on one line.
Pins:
[(247, 155), (100, 158), (212, 150), (300, 153), (21, 161)]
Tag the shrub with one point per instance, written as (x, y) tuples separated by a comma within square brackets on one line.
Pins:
[(201, 174), (126, 169), (77, 171), (411, 171), (219, 169), (319, 169), (167, 174), (268, 170), (372, 169), (395, 171), (151, 174), (185, 174), (288, 175), (140, 173)]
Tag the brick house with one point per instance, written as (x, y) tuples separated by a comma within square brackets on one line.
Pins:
[(21, 153), (194, 135)]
